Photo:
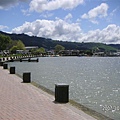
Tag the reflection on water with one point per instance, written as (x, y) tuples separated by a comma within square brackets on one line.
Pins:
[(94, 81)]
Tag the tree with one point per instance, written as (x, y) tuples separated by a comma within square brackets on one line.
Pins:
[(4, 42), (39, 51), (7, 43), (13, 43), (58, 48), (20, 45), (88, 52), (17, 45), (13, 49)]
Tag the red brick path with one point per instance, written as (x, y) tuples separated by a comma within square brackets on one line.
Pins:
[(21, 101)]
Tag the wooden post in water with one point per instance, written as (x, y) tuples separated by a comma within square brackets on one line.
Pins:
[(61, 93), (26, 77), (20, 60), (29, 60), (37, 60)]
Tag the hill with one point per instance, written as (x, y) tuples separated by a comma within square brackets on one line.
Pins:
[(50, 44)]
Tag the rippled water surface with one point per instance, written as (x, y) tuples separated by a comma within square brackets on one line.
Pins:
[(94, 81)]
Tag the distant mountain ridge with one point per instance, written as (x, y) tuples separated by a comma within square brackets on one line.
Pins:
[(49, 44)]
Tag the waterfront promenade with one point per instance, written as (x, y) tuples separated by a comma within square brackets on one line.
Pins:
[(23, 101)]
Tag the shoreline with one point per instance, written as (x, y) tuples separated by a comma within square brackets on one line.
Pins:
[(79, 106), (26, 102)]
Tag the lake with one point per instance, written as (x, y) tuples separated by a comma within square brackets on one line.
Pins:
[(94, 81)]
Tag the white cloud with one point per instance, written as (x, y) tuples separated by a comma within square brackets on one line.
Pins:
[(46, 15), (58, 29), (99, 11), (25, 12), (69, 16), (62, 30), (109, 35), (2, 27), (111, 15), (4, 4), (47, 5)]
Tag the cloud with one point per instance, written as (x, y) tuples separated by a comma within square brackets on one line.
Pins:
[(109, 35), (58, 29), (69, 16), (48, 5), (25, 12), (61, 30), (97, 12), (5, 4), (46, 15), (111, 15), (2, 27)]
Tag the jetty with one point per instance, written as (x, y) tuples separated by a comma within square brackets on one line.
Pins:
[(24, 101), (28, 58)]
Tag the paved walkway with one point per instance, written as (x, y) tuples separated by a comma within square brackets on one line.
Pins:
[(23, 101)]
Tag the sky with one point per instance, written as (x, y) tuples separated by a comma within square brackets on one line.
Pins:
[(65, 20)]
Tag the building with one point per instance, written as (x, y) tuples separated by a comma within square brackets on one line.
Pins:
[(31, 47), (22, 51), (101, 54), (69, 52)]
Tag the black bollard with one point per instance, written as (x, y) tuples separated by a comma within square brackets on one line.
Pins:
[(1, 63), (37, 60), (12, 70), (29, 60), (11, 59), (20, 60), (5, 66), (26, 77), (61, 93)]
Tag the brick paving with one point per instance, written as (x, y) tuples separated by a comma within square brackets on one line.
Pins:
[(23, 101)]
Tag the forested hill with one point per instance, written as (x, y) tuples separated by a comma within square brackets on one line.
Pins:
[(50, 44)]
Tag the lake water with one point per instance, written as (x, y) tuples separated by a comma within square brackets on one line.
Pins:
[(94, 81)]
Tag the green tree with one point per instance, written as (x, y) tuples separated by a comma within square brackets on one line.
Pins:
[(58, 48), (5, 42), (13, 43), (17, 45), (13, 49), (20, 45), (39, 51), (88, 52)]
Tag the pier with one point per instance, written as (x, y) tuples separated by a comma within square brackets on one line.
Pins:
[(23, 101), (28, 58)]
